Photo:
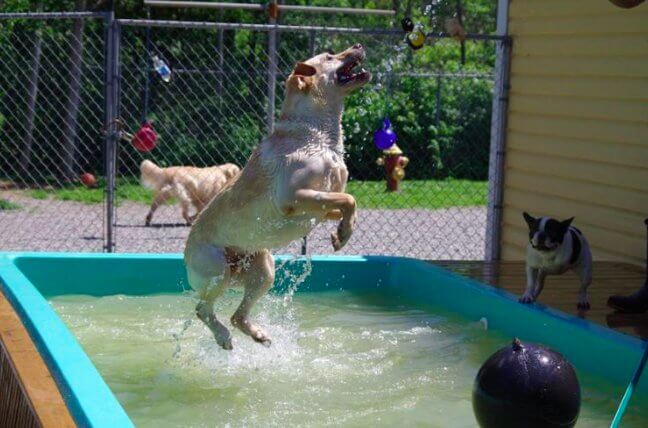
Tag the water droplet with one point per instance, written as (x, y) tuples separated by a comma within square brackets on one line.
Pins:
[(484, 322)]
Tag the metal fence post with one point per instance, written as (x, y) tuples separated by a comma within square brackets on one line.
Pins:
[(272, 64), (498, 137), (311, 43), (437, 113), (148, 46), (111, 98), (221, 65)]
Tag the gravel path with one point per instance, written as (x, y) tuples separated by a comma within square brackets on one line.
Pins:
[(53, 225)]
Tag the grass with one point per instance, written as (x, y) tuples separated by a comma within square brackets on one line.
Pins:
[(126, 190), (430, 194), (6, 205)]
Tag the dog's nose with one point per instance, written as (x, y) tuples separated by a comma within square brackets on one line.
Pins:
[(357, 46)]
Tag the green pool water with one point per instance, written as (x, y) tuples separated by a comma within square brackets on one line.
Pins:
[(337, 358)]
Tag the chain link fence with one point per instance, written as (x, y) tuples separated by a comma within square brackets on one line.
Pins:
[(51, 113), (215, 109)]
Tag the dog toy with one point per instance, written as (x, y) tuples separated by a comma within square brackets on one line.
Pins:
[(88, 179), (415, 33), (394, 163), (627, 4), (384, 137), (526, 385), (144, 139), (162, 68)]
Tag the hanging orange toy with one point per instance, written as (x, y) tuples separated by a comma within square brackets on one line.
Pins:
[(145, 138)]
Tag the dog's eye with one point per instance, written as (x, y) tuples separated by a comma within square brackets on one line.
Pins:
[(329, 57)]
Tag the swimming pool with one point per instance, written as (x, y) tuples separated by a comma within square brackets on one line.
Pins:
[(389, 339)]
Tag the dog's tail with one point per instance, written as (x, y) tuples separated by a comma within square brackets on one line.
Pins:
[(230, 170), (150, 174)]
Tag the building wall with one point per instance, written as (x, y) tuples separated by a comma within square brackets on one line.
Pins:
[(577, 137)]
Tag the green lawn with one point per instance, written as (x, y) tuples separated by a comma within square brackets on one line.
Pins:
[(126, 190), (6, 205), (431, 194)]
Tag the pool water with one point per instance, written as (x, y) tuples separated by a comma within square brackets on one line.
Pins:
[(337, 358)]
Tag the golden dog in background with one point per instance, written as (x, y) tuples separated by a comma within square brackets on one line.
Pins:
[(190, 185)]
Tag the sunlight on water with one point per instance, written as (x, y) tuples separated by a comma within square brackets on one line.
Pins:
[(337, 358)]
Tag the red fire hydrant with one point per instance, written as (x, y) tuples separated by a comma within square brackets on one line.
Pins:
[(394, 163)]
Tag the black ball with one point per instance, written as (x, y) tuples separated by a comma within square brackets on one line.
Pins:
[(526, 385)]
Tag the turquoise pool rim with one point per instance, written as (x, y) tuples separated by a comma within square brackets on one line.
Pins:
[(92, 403)]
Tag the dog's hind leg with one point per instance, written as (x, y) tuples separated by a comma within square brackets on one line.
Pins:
[(185, 202), (257, 278), (209, 275), (161, 197)]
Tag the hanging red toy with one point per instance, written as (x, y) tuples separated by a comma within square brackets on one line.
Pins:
[(145, 138)]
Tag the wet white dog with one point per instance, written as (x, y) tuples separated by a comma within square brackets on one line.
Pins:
[(294, 179)]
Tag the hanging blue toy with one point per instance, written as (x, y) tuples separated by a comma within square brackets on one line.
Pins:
[(385, 137)]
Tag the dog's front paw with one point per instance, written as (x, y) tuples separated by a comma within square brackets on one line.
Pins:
[(148, 220), (583, 305), (526, 298), (342, 236)]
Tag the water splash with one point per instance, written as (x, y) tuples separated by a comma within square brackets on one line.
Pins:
[(294, 271), (177, 337)]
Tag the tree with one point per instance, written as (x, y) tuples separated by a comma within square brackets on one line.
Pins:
[(25, 155), (70, 130)]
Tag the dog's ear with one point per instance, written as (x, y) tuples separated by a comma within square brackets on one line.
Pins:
[(566, 223), (531, 221), (303, 69), (300, 78)]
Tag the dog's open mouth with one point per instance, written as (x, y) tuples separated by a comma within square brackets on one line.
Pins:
[(351, 71)]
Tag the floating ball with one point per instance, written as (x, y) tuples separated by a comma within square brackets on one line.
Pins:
[(385, 137), (88, 179), (627, 4), (145, 138), (526, 385)]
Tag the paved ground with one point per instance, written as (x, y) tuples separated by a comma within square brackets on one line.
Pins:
[(453, 233)]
